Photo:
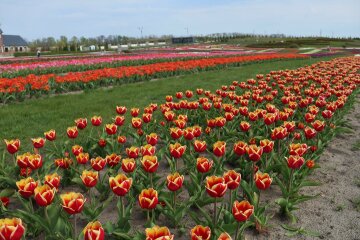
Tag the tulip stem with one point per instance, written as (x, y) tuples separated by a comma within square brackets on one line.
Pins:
[(230, 199), (148, 215), (290, 182), (75, 227), (214, 221), (123, 206), (237, 231), (151, 180), (47, 215), (174, 200)]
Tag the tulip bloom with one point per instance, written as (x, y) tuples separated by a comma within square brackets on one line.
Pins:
[(199, 146), (219, 148), (121, 110), (215, 186), (245, 126), (89, 178), (152, 139), (72, 132), (82, 158), (120, 184), (72, 202), (11, 229), (232, 179), (176, 132), (254, 152), (4, 201), (77, 149), (240, 148), (81, 123), (12, 146), (98, 163), (102, 142), (121, 139), (44, 195), (119, 120), (318, 125), (279, 133), (177, 150), (94, 231), (148, 198), (298, 149), (242, 210), (63, 162), (295, 161), (174, 181), (203, 164), (26, 186), (158, 233), (23, 160), (309, 132), (96, 121), (200, 233), (136, 122), (224, 236), (111, 129), (150, 163), (132, 152), (53, 180), (50, 135), (147, 150), (310, 164), (267, 145), (112, 160), (128, 165), (262, 181)]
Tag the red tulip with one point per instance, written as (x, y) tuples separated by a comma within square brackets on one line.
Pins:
[(177, 150), (98, 163), (77, 149), (72, 202), (147, 150), (242, 210), (158, 233), (111, 129), (152, 139), (240, 148), (50, 135), (148, 198), (63, 162), (89, 178), (215, 186), (38, 142), (254, 152), (113, 159), (81, 123), (53, 180), (295, 161), (224, 236), (132, 152), (121, 110), (94, 231), (128, 165), (44, 195), (4, 201), (309, 132), (121, 139), (199, 146), (136, 122), (232, 179), (72, 132), (200, 233), (134, 112), (96, 121), (174, 181), (82, 158), (219, 148), (267, 145), (12, 145), (203, 164), (262, 180), (150, 163), (176, 132), (310, 164), (35, 161), (11, 229), (26, 186), (120, 184), (245, 126)]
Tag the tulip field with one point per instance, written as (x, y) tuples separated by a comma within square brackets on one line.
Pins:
[(195, 165)]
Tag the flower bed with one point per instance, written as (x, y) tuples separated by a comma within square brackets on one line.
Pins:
[(20, 87), (194, 152)]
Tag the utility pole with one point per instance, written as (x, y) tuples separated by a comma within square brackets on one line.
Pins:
[(187, 31), (141, 31)]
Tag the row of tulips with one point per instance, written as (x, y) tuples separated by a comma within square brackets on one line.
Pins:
[(90, 63), (30, 85), (204, 155)]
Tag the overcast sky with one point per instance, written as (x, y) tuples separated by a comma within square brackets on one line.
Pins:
[(41, 18)]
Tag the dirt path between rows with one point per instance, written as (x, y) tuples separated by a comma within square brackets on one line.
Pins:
[(335, 214)]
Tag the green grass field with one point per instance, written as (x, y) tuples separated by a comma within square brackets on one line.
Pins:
[(31, 118)]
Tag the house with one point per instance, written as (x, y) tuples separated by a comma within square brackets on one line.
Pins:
[(12, 43)]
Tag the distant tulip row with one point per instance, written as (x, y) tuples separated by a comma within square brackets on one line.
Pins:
[(200, 158), (31, 84)]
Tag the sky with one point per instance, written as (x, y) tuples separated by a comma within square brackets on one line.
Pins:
[(90, 18)]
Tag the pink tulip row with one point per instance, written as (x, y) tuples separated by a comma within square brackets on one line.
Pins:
[(109, 59)]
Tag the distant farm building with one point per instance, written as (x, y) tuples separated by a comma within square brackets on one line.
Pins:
[(12, 43), (182, 40)]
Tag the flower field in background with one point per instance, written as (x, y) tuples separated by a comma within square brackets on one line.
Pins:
[(60, 63), (196, 163), (21, 87)]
